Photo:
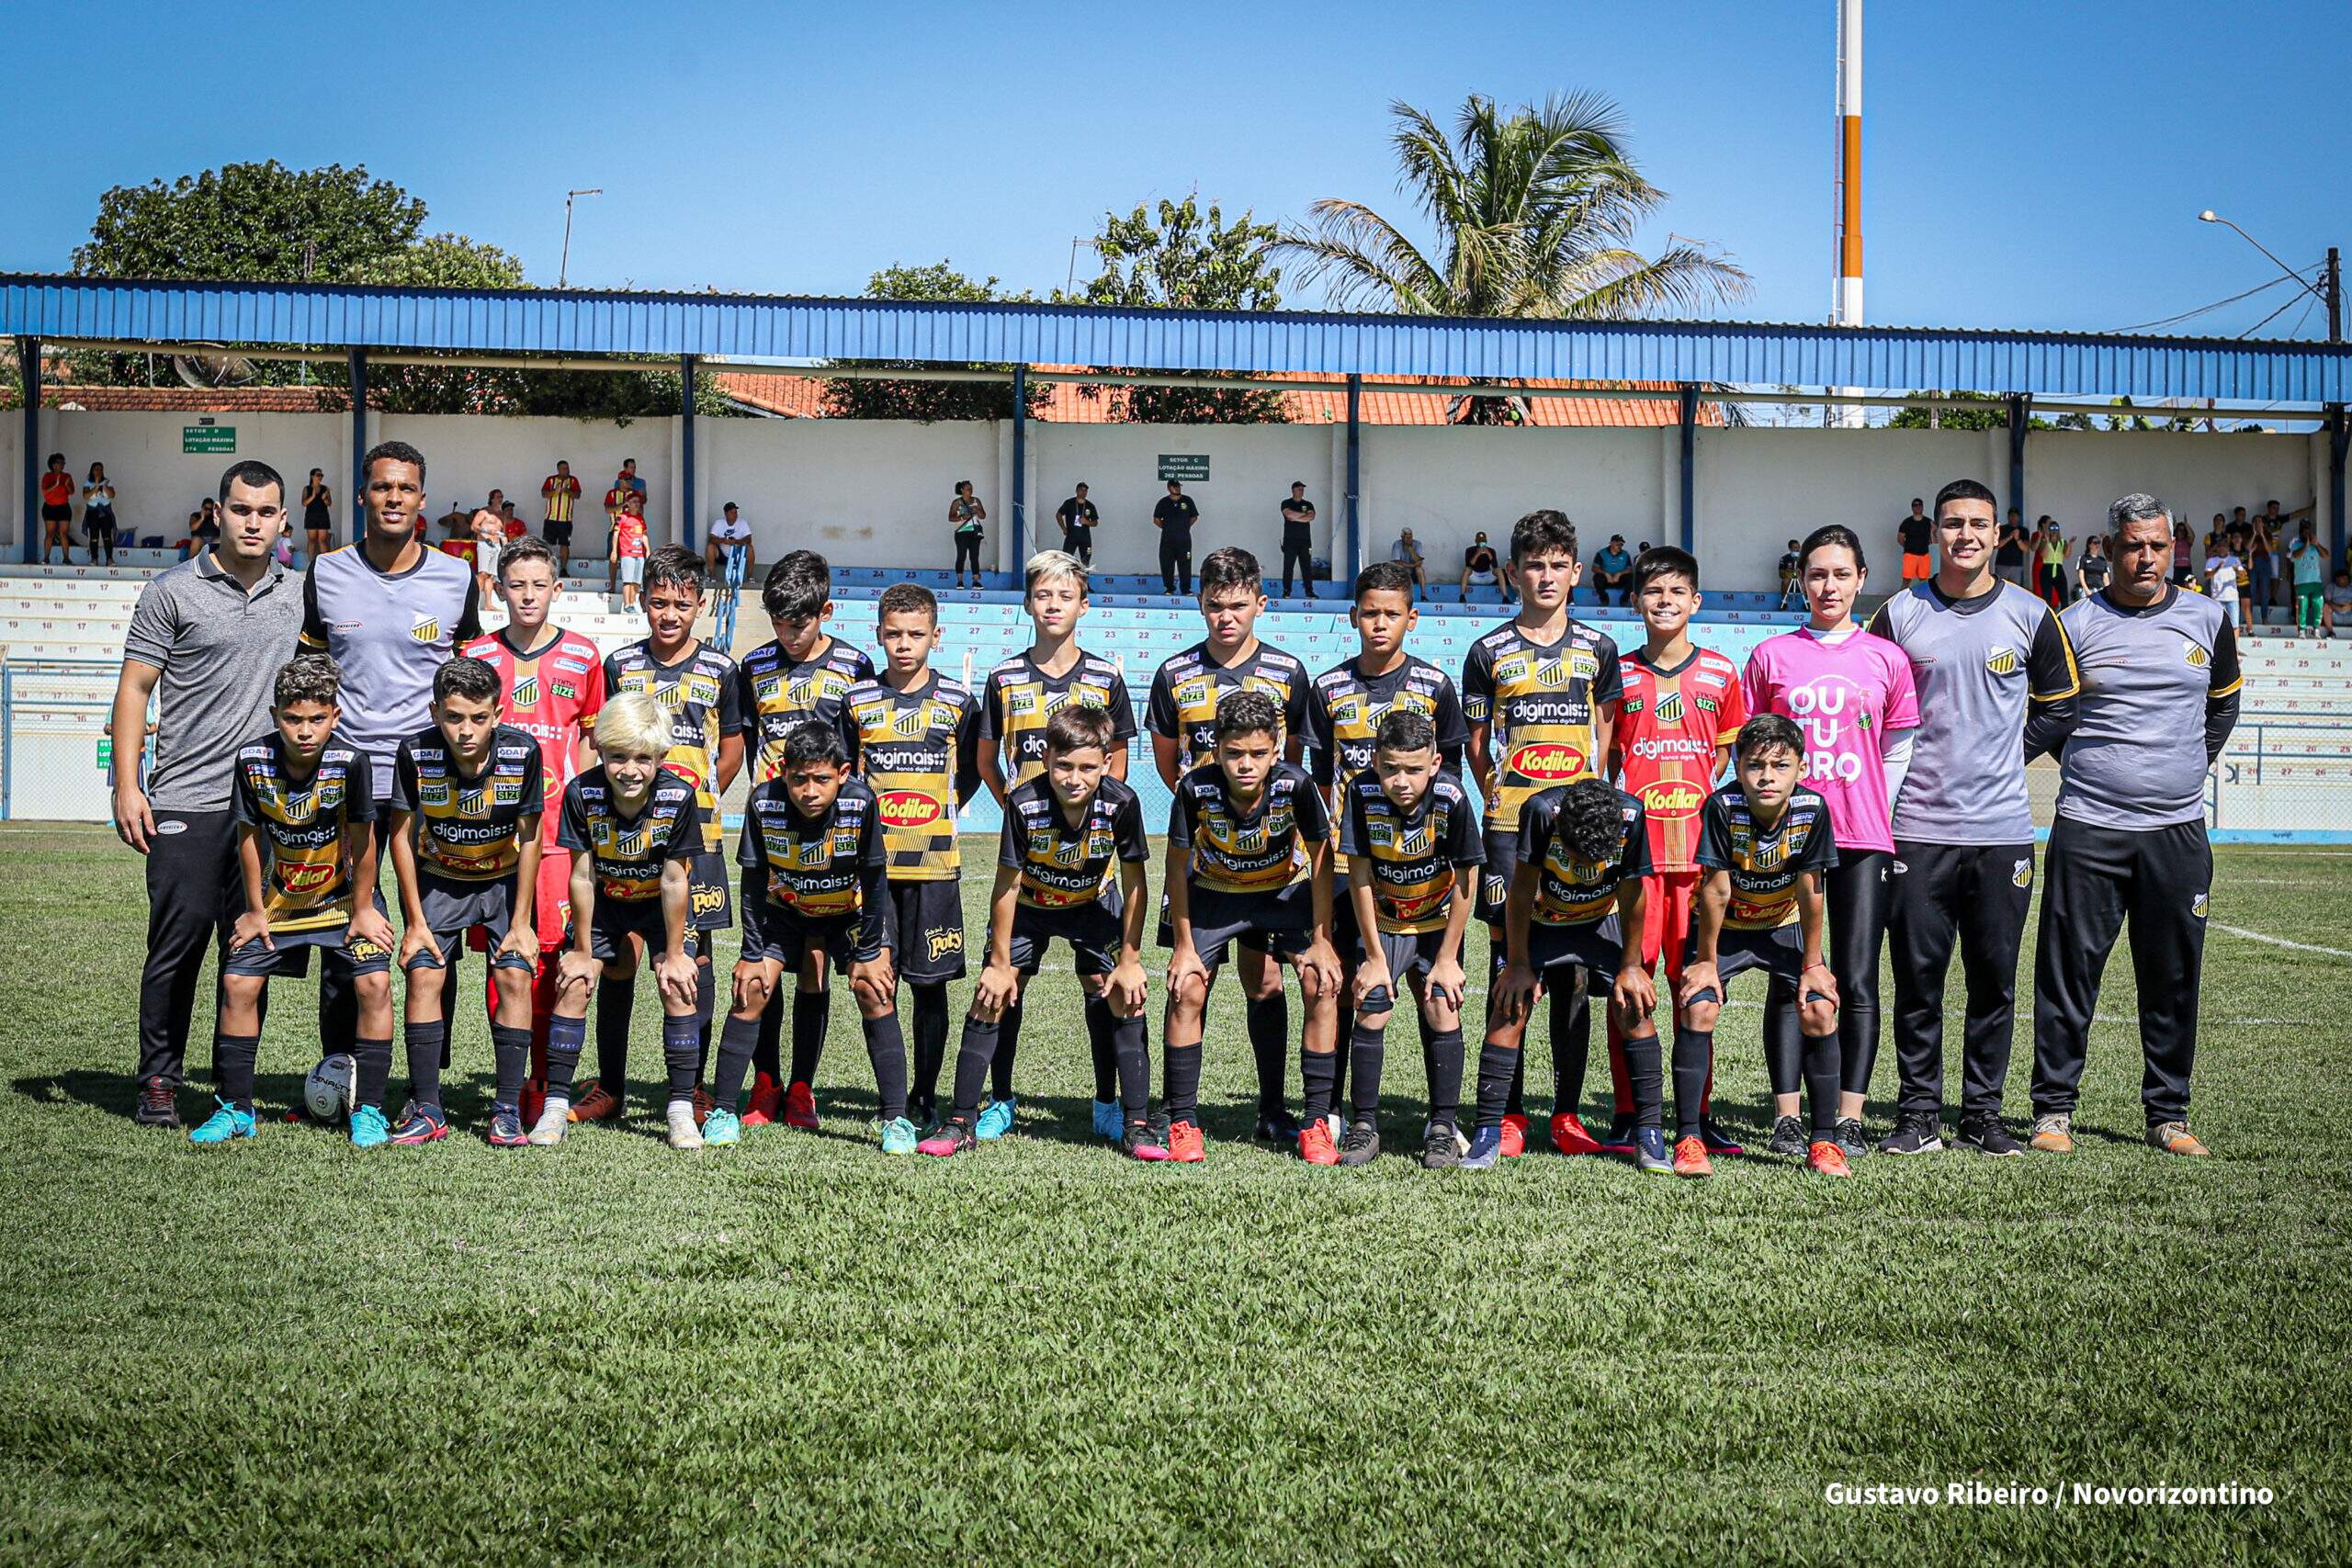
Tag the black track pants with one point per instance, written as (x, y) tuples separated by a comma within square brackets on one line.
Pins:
[(1976, 895)]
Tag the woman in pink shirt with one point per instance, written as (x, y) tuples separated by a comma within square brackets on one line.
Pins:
[(1851, 694)]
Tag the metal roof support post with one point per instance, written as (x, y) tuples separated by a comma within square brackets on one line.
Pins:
[(2339, 437), (1020, 467), (29, 451), (358, 443), (2020, 416), (686, 449), (1356, 456), (1690, 409)]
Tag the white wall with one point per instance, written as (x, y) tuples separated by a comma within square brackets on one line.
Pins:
[(1447, 484), (465, 456), (1250, 470), (157, 485), (10, 427), (1758, 488), (2072, 474), (865, 492)]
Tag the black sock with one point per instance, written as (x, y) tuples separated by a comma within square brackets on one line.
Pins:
[(930, 1046), (738, 1040), (1694, 1049), (811, 1012), (1339, 1055), (705, 1009), (1571, 1043), (1180, 1092), (1315, 1070), (1498, 1073), (886, 1048), (682, 1053), (375, 1070), (510, 1048), (424, 1045), (565, 1038), (615, 1000), (1368, 1048), (1268, 1023), (232, 1068), (1515, 1094), (1130, 1045), (767, 1053), (1007, 1042), (1642, 1072), (1821, 1083), (1446, 1057), (1099, 1024), (972, 1057)]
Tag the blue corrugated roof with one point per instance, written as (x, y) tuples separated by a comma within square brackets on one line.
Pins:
[(785, 327)]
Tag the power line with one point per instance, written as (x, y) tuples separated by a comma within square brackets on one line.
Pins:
[(2276, 315), (2202, 309)]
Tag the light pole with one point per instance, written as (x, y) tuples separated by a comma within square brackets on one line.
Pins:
[(2330, 292), (563, 267)]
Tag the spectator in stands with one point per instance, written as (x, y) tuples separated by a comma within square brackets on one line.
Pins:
[(459, 528), (2307, 559), (1407, 553), (318, 515), (496, 503), (1481, 567), (2184, 544), (489, 529), (2092, 569), (967, 517), (98, 514), (2222, 579), (2339, 601), (624, 489), (1913, 534), (1298, 538), (512, 525), (732, 532), (1613, 569), (1793, 569), (2009, 550), (630, 545), (560, 489), (1175, 517), (203, 528), (2261, 564), (2050, 550), (1078, 518), (57, 512)]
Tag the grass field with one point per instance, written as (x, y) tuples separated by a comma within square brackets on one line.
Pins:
[(799, 1350)]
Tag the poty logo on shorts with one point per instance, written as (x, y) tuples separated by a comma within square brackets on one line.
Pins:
[(945, 941)]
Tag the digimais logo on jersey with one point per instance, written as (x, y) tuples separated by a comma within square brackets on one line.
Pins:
[(909, 808), (1548, 761)]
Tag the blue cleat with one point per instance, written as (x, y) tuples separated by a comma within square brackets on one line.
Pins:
[(421, 1124), (1486, 1149), (368, 1128), (1109, 1121), (722, 1128), (1649, 1151), (897, 1137), (996, 1119), (228, 1121)]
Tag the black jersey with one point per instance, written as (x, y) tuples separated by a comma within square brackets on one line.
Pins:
[(1019, 698), (1062, 866), (777, 692), (830, 868), (1764, 863), (1569, 889), (469, 827), (309, 830), (698, 693), (1344, 710), (1544, 702), (1414, 858), (1258, 850), (1185, 690), (919, 751), (630, 852)]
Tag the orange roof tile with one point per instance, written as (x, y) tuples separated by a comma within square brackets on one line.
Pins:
[(194, 400)]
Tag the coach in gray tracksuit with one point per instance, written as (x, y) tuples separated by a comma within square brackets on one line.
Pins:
[(2129, 849)]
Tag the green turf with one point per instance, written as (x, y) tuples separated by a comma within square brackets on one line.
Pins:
[(797, 1348)]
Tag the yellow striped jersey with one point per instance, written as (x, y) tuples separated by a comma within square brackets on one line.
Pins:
[(1764, 863), (699, 694), (1185, 690), (1542, 702), (1414, 858), (1061, 866), (1018, 699), (778, 693), (308, 830), (469, 828), (1261, 850), (920, 750), (630, 852), (827, 869), (1569, 889), (1344, 709)]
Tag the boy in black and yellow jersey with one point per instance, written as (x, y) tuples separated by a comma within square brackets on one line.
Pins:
[(1250, 850), (1539, 692), (802, 673), (1764, 846), (694, 684), (1020, 698), (466, 798), (1575, 903), (304, 802), (816, 880), (1411, 839), (915, 735), (633, 828), (1064, 831), (1181, 715)]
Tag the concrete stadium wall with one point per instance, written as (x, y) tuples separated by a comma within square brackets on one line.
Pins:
[(865, 492), (1250, 470), (1447, 484), (157, 485), (2074, 474), (464, 457), (1759, 488)]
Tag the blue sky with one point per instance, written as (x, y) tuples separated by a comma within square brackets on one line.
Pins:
[(2024, 164)]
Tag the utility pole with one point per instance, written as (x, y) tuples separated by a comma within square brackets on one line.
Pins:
[(563, 267), (2334, 289), (1847, 295)]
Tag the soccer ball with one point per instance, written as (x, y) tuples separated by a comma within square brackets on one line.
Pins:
[(330, 1088)]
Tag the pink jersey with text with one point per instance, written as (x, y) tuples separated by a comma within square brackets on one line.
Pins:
[(1847, 696)]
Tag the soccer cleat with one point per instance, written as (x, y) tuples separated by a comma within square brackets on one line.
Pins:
[(801, 1108), (721, 1128), (1987, 1137), (1440, 1146), (1718, 1142), (228, 1121), (1650, 1145), (683, 1132), (1568, 1135), (1486, 1149), (1514, 1134), (1362, 1145), (1314, 1145), (1917, 1132), (158, 1105), (505, 1129), (704, 1104), (554, 1120), (1620, 1138), (2054, 1134), (954, 1137), (1788, 1138), (368, 1128), (898, 1135), (1852, 1138), (1141, 1140), (1277, 1126), (1690, 1157), (1824, 1156), (533, 1101), (764, 1104), (2175, 1138), (996, 1118), (599, 1104), (1185, 1144), (420, 1125), (1109, 1121)]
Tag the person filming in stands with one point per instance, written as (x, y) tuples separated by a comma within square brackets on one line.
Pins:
[(1481, 568)]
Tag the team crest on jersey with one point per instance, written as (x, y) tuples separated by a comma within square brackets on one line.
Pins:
[(810, 855), (804, 691), (2003, 661), (2021, 873), (2196, 905), (1067, 852), (1416, 841), (629, 844), (1249, 839), (527, 692), (910, 723), (473, 802), (424, 628), (2195, 654), (1670, 708)]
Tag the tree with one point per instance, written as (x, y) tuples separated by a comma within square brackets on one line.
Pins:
[(1994, 418), (1183, 258), (865, 398), (1533, 213), (259, 222)]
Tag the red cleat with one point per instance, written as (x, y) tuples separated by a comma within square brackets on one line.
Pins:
[(1827, 1158), (1185, 1144), (801, 1108), (599, 1104), (1314, 1145), (1514, 1135), (534, 1100), (1690, 1157), (766, 1101), (704, 1104), (1569, 1137)]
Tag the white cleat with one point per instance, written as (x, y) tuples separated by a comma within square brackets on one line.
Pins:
[(683, 1132), (549, 1130)]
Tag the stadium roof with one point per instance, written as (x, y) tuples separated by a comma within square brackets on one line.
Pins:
[(1306, 342)]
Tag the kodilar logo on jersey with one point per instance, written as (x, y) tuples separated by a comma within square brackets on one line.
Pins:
[(1670, 708), (2003, 661), (424, 628), (1672, 800), (2195, 654), (1547, 762), (299, 879), (909, 808)]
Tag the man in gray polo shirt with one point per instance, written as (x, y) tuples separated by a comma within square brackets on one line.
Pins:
[(2129, 849), (206, 641), (1997, 681)]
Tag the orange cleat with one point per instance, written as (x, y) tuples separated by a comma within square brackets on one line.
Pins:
[(1569, 1137), (1185, 1144), (1514, 1135), (801, 1108), (1314, 1144), (1827, 1158), (767, 1100), (533, 1101), (599, 1104), (1690, 1157), (704, 1103)]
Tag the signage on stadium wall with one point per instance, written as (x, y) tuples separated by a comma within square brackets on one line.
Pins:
[(1190, 467), (209, 438)]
